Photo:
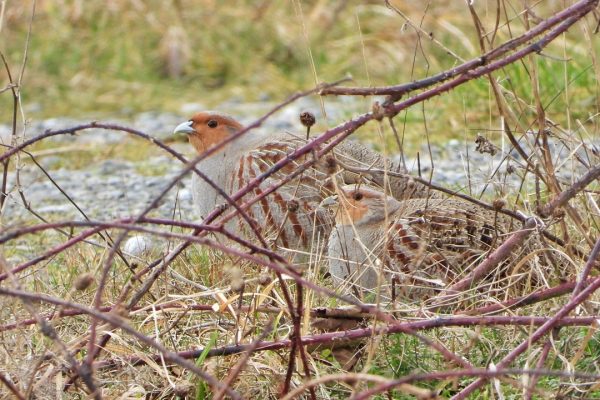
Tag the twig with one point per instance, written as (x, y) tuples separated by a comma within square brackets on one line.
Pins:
[(581, 281), (350, 335), (170, 306), (492, 260), (562, 198), (350, 377), (6, 161), (117, 322), (475, 372), (539, 365), (586, 7), (541, 331), (11, 387), (531, 298), (396, 91)]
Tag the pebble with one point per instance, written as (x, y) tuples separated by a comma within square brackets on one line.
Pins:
[(115, 188), (139, 246)]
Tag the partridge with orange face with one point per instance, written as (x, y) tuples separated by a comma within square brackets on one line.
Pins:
[(290, 217), (424, 244)]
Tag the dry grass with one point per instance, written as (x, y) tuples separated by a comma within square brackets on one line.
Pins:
[(93, 58), (90, 57)]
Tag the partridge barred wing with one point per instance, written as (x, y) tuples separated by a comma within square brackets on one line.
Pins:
[(289, 217), (372, 164), (453, 237)]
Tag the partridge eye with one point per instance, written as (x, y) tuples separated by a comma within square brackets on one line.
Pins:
[(357, 196), (212, 123)]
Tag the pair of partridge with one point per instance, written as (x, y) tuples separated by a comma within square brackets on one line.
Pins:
[(290, 217), (423, 244)]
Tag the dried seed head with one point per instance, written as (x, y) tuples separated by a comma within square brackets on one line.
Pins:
[(237, 286), (293, 205), (83, 281), (378, 111), (510, 169), (539, 210), (485, 146), (559, 213), (307, 119), (499, 204), (330, 164), (264, 279), (237, 279)]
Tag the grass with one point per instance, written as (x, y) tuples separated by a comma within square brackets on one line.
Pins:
[(397, 356), (92, 62), (97, 59)]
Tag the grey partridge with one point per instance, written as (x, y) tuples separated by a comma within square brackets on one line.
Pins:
[(290, 217), (423, 244)]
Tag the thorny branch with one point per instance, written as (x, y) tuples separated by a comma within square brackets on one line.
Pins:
[(353, 334), (262, 254), (553, 322), (397, 91)]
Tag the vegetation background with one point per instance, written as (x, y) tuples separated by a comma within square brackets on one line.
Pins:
[(116, 58)]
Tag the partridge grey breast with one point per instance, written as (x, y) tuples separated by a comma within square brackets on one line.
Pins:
[(424, 244), (290, 217)]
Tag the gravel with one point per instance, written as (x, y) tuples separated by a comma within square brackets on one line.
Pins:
[(115, 188)]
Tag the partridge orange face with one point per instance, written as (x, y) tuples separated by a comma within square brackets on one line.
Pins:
[(361, 205), (208, 128), (352, 206)]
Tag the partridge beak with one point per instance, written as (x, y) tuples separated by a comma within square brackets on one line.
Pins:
[(329, 201), (184, 127)]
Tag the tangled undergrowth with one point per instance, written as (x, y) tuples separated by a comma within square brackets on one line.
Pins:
[(195, 316)]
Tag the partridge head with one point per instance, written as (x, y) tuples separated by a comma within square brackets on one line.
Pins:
[(361, 206), (207, 128), (367, 232), (426, 244)]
